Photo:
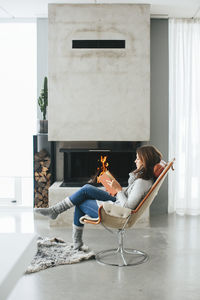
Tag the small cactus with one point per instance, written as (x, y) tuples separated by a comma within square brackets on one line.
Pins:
[(43, 99)]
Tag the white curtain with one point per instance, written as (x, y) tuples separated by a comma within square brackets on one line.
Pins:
[(184, 115)]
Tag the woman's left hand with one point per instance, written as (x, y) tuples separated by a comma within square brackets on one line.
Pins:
[(115, 185)]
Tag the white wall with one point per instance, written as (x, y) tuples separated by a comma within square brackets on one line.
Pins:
[(159, 102), (42, 55)]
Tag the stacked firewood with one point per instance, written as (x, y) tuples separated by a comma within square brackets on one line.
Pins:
[(42, 178)]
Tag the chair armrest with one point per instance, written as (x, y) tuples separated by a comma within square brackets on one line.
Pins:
[(89, 220)]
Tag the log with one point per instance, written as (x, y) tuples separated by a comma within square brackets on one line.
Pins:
[(43, 153), (48, 176), (38, 196), (45, 169), (42, 179), (36, 165), (39, 204), (47, 163), (43, 174)]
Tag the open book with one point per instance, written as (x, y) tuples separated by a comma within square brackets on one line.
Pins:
[(103, 179)]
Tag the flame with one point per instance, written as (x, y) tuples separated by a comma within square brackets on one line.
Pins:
[(104, 165)]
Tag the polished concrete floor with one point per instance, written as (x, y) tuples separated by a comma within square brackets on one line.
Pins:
[(172, 271)]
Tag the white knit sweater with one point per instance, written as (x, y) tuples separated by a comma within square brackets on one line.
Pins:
[(132, 195)]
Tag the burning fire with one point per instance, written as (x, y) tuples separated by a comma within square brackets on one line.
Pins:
[(104, 165)]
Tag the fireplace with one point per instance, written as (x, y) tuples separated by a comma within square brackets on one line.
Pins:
[(82, 165)]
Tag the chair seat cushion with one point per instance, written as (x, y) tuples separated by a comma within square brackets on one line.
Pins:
[(116, 210), (113, 216)]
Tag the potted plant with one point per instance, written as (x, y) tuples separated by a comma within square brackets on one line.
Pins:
[(43, 103)]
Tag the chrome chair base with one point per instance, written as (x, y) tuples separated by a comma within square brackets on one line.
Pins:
[(121, 257)]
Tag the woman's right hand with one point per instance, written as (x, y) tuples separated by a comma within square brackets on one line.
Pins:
[(115, 185)]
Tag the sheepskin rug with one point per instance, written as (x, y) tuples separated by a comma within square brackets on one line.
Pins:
[(52, 252)]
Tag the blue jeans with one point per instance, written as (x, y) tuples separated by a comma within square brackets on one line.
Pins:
[(85, 202)]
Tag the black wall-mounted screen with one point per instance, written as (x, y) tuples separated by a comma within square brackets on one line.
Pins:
[(96, 44)]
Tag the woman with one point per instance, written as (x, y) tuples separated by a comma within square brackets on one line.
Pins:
[(85, 199)]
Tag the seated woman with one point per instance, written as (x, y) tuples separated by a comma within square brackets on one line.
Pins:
[(88, 198)]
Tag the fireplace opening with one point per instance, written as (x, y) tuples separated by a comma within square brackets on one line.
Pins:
[(83, 165)]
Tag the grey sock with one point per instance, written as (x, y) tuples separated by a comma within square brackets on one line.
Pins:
[(77, 234), (53, 211)]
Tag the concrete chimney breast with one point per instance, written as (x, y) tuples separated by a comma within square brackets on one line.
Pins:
[(99, 94)]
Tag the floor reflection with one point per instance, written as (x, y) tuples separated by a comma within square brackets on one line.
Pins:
[(17, 221)]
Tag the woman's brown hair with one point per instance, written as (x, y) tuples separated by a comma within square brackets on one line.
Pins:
[(149, 156)]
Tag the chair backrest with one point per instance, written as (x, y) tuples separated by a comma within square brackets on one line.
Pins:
[(144, 204), (155, 187)]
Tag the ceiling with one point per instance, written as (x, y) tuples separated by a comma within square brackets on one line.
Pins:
[(159, 8)]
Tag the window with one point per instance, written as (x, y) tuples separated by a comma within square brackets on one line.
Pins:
[(18, 111)]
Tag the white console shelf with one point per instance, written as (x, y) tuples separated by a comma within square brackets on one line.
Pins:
[(18, 246)]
